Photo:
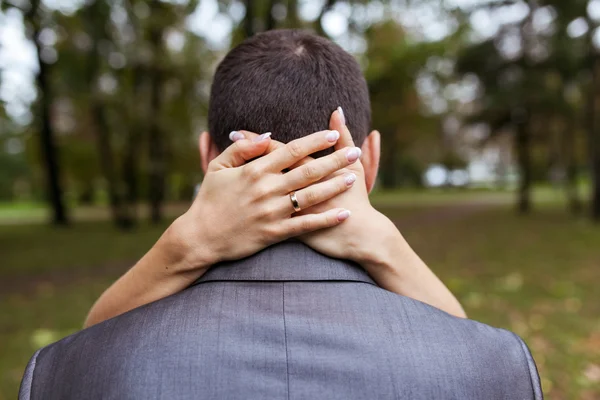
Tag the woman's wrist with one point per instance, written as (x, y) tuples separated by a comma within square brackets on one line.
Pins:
[(186, 251), (388, 258), (171, 265), (378, 242), (168, 267), (394, 265)]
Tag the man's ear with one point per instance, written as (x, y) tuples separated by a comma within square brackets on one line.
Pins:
[(371, 153), (208, 150)]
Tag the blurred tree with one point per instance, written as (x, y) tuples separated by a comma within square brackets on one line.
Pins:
[(394, 62), (249, 22), (543, 80), (122, 79), (129, 85), (161, 73), (36, 17), (592, 64), (95, 16), (578, 62), (510, 70)]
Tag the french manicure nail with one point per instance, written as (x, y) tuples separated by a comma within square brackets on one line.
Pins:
[(350, 179), (341, 112), (262, 137), (332, 136), (234, 136), (353, 154), (343, 215)]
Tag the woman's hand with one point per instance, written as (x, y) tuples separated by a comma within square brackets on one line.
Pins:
[(356, 240), (370, 239), (243, 206), (374, 242), (364, 238), (244, 202)]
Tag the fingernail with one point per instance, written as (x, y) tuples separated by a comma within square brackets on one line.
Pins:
[(343, 215), (332, 136), (342, 115), (262, 137), (350, 179), (353, 154), (234, 136)]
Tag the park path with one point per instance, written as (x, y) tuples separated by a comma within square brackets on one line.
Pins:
[(419, 217)]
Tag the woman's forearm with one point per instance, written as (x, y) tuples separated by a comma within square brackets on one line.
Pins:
[(163, 271), (396, 267)]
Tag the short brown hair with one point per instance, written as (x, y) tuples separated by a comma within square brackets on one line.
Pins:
[(287, 82)]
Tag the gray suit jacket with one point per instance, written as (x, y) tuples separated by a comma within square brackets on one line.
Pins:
[(287, 323)]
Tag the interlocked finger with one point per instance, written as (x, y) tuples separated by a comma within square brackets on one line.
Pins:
[(319, 192), (318, 169), (303, 224), (296, 150)]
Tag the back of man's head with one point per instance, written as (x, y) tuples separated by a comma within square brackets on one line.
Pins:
[(287, 82)]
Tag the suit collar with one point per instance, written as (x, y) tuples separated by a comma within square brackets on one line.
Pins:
[(287, 261)]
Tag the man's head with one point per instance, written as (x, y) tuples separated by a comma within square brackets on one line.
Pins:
[(287, 82)]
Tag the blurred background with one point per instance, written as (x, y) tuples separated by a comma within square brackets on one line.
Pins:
[(489, 113)]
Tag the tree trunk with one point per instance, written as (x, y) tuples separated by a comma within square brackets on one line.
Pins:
[(570, 166), (596, 178), (119, 213), (132, 146), (99, 121), (157, 154), (48, 147), (271, 23), (249, 19), (594, 144), (292, 14), (389, 178), (593, 136), (522, 116), (157, 146), (523, 147), (86, 194)]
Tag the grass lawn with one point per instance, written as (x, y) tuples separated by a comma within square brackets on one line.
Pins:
[(536, 276)]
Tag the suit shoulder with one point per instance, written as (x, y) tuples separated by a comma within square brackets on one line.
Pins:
[(27, 381), (482, 344)]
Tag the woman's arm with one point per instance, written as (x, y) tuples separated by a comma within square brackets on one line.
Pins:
[(374, 242), (392, 263), (241, 208), (162, 271)]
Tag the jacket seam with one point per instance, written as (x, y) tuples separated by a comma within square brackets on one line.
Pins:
[(287, 364)]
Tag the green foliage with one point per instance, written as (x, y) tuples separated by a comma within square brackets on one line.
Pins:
[(393, 64), (130, 78)]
